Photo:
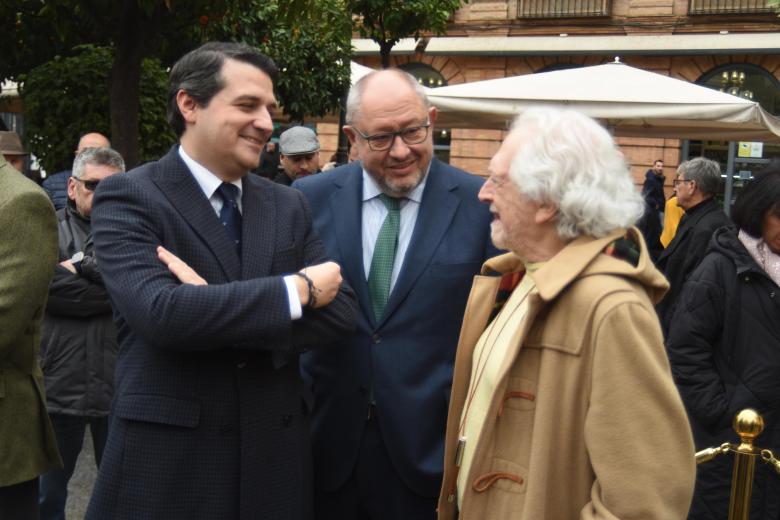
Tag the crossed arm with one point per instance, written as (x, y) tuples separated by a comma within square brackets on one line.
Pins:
[(130, 223), (326, 278)]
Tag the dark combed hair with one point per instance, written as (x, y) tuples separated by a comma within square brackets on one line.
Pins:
[(759, 198), (198, 73)]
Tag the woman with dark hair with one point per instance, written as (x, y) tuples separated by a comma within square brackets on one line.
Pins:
[(724, 346)]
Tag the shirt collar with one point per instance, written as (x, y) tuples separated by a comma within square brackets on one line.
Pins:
[(207, 181), (371, 188)]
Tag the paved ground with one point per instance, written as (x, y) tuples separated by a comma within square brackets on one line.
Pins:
[(80, 486)]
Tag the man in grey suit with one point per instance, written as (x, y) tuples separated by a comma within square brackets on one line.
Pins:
[(410, 234), (218, 281), (28, 254)]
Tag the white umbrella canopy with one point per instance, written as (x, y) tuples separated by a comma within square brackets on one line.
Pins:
[(631, 102), (357, 71)]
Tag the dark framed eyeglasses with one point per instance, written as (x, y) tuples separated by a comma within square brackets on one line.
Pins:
[(90, 185), (676, 182), (385, 140)]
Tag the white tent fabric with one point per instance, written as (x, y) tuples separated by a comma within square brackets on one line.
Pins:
[(357, 71), (630, 101)]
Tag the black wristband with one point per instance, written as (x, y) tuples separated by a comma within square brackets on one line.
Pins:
[(310, 285)]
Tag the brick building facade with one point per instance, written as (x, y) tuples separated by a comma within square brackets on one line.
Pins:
[(692, 40)]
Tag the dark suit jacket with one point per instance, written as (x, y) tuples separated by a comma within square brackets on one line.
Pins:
[(209, 419), (686, 251), (407, 358)]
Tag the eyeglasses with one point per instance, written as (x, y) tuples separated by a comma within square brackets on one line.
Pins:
[(90, 185), (496, 181), (384, 141), (676, 182)]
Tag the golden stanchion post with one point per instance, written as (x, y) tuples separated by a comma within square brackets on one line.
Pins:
[(748, 424)]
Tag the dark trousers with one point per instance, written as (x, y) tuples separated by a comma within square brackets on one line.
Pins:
[(69, 430), (19, 501), (375, 491)]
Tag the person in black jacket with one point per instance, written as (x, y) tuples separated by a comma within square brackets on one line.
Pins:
[(655, 199), (724, 346), (79, 340), (696, 184)]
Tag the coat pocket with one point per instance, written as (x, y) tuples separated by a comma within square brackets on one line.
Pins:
[(158, 409)]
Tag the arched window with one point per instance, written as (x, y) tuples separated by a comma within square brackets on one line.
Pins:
[(426, 75), (747, 81), (750, 82)]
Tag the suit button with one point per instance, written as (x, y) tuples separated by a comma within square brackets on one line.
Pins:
[(363, 390), (241, 365), (225, 429), (377, 339), (286, 420)]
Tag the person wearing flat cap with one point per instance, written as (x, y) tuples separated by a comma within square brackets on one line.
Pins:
[(11, 147), (299, 154)]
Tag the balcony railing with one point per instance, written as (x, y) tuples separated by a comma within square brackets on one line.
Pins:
[(730, 6), (562, 8)]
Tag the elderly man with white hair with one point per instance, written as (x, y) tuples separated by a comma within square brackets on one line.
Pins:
[(563, 404)]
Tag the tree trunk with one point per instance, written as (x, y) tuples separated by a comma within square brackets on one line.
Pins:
[(134, 31), (384, 51)]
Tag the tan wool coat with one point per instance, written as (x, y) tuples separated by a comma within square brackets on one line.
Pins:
[(587, 422), (28, 254)]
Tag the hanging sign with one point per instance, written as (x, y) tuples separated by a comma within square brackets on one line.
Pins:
[(747, 149)]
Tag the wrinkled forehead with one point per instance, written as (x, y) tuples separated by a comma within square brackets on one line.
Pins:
[(390, 103)]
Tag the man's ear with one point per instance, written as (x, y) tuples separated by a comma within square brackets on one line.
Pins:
[(546, 212), (432, 112), (187, 106), (350, 133), (72, 188)]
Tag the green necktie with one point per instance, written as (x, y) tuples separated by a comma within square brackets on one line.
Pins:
[(384, 256)]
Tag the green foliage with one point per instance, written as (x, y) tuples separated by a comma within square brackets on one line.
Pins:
[(67, 97), (34, 31), (311, 51), (387, 21), (308, 39)]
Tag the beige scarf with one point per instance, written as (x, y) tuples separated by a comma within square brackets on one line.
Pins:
[(769, 261)]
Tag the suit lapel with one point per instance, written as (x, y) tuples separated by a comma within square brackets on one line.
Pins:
[(258, 233), (346, 203), (437, 209), (179, 186)]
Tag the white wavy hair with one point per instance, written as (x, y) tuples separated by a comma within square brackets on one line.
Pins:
[(571, 161)]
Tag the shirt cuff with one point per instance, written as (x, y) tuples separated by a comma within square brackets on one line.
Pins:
[(292, 297)]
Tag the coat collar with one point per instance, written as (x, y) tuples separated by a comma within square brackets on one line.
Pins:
[(258, 223), (437, 209), (581, 257), (689, 221), (178, 185), (346, 206)]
